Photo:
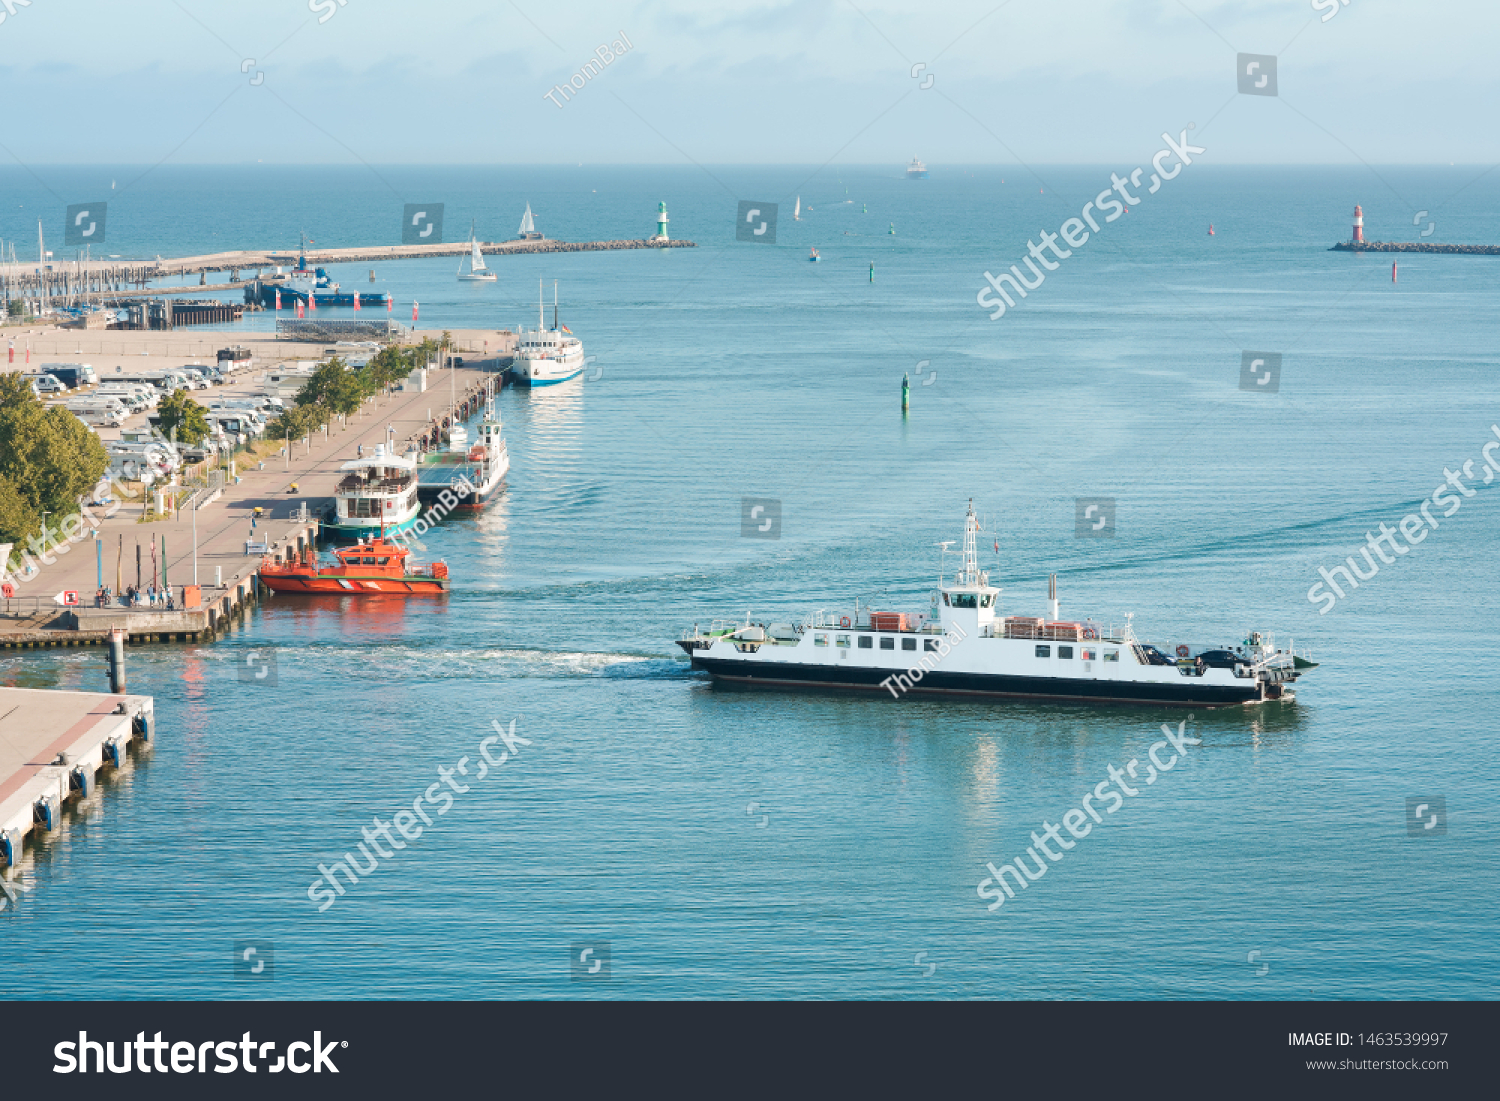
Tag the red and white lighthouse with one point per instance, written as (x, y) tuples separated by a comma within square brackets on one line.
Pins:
[(1359, 225)]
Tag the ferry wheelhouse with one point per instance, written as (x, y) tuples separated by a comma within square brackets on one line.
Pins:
[(378, 491), (965, 647)]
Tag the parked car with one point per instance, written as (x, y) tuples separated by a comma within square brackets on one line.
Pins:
[(47, 384)]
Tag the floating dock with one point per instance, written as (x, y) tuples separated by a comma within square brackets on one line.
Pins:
[(53, 746)]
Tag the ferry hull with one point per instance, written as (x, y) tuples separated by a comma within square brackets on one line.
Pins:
[(355, 586), (936, 682), (522, 378)]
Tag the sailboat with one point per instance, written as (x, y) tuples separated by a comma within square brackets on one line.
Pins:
[(797, 213), (528, 227), (477, 272)]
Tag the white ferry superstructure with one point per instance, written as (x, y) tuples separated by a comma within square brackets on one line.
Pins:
[(377, 493), (965, 648)]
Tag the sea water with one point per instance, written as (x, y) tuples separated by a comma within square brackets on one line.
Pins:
[(722, 843)]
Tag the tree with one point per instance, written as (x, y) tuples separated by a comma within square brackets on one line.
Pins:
[(48, 459), (334, 386), (298, 421), (183, 416)]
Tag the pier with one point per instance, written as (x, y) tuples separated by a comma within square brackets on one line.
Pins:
[(228, 550), (1416, 246), (96, 280), (53, 747)]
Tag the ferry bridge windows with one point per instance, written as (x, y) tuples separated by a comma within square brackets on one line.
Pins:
[(966, 600), (866, 642), (945, 598), (1065, 652), (986, 600), (908, 644), (928, 643), (1044, 651), (1111, 655), (887, 643)]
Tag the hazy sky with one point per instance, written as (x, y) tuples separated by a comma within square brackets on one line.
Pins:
[(807, 81)]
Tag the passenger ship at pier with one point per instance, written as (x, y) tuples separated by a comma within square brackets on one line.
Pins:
[(377, 493), (545, 357), (964, 648)]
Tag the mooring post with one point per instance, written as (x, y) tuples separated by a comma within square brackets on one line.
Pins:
[(117, 660)]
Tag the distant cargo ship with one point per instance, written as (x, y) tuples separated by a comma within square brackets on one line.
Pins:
[(304, 284), (916, 170)]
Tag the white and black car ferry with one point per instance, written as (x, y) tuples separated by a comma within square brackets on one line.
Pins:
[(964, 647)]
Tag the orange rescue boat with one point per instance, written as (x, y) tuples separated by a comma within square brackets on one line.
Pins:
[(375, 566)]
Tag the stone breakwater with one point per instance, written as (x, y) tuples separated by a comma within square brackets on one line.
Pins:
[(1415, 246)]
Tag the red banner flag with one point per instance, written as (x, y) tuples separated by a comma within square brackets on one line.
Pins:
[(413, 314), (278, 299), (356, 300)]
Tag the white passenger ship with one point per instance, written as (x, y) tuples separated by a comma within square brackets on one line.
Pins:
[(965, 648), (545, 357), (378, 492)]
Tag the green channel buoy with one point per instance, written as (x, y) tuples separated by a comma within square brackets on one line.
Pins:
[(872, 271), (905, 393)]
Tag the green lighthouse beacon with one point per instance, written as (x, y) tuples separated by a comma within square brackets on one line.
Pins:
[(661, 222)]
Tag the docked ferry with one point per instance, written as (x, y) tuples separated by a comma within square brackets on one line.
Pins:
[(545, 357), (378, 492), (964, 647), (483, 466), (316, 286)]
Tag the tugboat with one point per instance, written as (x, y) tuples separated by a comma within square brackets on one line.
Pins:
[(372, 566), (964, 648)]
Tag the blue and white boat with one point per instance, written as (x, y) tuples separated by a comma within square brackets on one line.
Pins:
[(546, 357)]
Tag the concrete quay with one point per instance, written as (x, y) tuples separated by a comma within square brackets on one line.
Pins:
[(53, 747), (292, 488)]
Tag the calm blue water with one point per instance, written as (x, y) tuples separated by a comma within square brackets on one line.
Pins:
[(736, 369)]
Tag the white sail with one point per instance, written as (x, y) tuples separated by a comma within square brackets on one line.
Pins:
[(527, 225), (477, 261), (797, 214)]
